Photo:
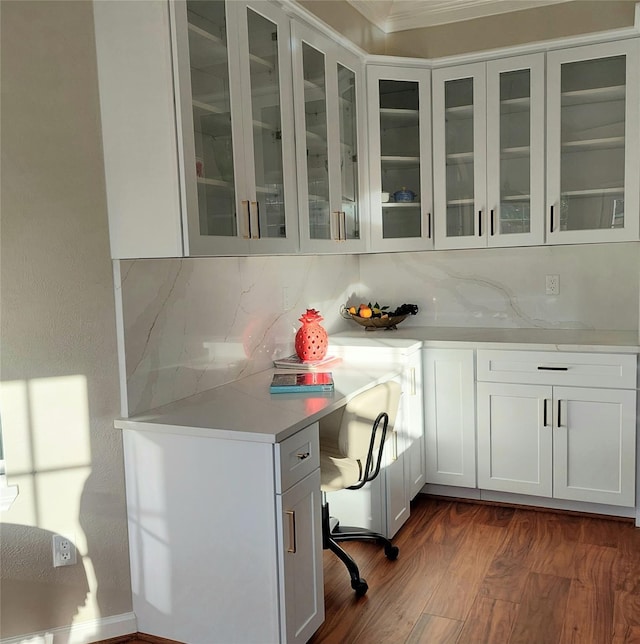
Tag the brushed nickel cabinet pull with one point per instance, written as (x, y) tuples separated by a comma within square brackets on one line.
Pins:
[(292, 531)]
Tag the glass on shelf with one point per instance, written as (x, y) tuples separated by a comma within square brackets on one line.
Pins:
[(592, 144)]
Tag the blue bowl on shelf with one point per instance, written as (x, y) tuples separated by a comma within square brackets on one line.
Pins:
[(404, 195)]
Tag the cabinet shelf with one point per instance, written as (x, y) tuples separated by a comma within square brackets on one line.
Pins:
[(218, 183), (515, 105), (465, 157), (594, 95), (461, 202), (517, 152), (403, 204), (206, 48), (515, 198), (391, 118), (400, 161), (459, 112), (593, 192), (613, 142)]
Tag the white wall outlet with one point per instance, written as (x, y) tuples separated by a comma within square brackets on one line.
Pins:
[(553, 284), (64, 551)]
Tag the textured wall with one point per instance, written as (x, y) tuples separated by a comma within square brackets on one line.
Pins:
[(59, 358)]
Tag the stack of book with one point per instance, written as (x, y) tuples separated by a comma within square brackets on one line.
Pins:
[(303, 382), (294, 362)]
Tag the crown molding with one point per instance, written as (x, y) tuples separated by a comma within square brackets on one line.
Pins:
[(400, 15)]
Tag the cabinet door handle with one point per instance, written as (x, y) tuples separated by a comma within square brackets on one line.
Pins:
[(540, 368), (303, 455), (492, 223), (413, 381), (545, 420), (335, 225), (258, 218), (343, 225), (292, 531), (479, 223), (254, 211), (551, 220), (247, 228), (428, 225), (559, 414)]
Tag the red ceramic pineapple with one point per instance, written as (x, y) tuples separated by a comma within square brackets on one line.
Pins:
[(311, 339)]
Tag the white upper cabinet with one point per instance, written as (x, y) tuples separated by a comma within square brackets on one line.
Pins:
[(328, 88), (236, 117), (488, 153), (399, 103), (593, 110)]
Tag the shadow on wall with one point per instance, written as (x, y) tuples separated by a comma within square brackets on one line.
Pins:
[(26, 599)]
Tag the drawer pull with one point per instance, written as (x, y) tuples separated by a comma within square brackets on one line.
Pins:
[(553, 368), (303, 455), (292, 531)]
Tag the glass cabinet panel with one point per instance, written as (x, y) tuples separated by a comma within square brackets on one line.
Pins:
[(592, 139), (460, 157), (400, 158), (317, 159), (349, 223), (207, 32), (514, 213), (267, 128)]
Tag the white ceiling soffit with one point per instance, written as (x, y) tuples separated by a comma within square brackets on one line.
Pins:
[(399, 15)]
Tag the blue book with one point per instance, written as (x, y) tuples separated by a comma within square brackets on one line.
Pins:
[(308, 382)]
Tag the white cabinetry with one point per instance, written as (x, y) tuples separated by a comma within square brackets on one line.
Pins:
[(329, 93), (197, 119), (488, 153), (567, 430), (414, 422), (225, 537), (592, 143), (449, 413), (399, 105)]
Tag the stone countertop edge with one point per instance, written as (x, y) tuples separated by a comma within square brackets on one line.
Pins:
[(245, 409), (493, 338)]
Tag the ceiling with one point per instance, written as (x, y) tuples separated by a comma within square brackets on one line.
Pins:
[(399, 15)]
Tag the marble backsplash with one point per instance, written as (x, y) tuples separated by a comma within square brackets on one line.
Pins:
[(191, 324), (187, 325)]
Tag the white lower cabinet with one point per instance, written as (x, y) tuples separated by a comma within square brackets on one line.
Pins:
[(225, 537), (567, 442), (449, 417)]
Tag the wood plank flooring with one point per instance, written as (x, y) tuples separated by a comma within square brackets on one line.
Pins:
[(471, 573)]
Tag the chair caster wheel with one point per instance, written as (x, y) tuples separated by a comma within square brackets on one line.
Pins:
[(391, 552), (360, 586)]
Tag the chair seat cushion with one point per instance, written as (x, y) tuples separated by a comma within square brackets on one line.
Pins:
[(337, 473)]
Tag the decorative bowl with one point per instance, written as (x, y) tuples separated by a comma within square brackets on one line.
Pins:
[(373, 323), (404, 195)]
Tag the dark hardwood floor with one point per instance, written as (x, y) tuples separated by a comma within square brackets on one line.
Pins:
[(471, 573)]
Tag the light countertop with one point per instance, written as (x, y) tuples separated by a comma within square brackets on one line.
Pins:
[(494, 338), (245, 410)]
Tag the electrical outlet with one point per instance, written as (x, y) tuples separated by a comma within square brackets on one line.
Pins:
[(64, 551), (553, 284)]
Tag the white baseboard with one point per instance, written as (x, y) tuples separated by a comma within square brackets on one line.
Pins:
[(82, 632)]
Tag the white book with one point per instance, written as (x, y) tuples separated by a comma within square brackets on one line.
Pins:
[(294, 362)]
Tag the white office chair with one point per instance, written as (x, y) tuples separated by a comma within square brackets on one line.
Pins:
[(351, 444)]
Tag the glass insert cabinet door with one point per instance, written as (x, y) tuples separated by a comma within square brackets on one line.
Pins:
[(327, 90), (459, 156), (237, 127), (399, 103), (593, 166), (515, 151)]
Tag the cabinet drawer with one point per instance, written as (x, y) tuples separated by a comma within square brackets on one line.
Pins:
[(608, 370), (296, 457)]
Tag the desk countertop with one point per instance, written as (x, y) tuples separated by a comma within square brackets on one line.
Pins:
[(245, 410)]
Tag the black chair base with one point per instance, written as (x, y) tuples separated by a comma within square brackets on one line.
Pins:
[(331, 537)]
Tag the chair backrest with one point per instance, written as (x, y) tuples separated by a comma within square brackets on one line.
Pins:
[(359, 416)]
